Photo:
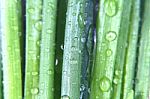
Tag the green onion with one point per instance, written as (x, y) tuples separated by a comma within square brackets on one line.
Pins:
[(73, 48), (11, 29), (33, 35), (47, 52), (143, 72), (112, 31), (130, 61), (60, 31)]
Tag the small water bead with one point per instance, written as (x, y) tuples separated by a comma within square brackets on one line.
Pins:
[(105, 84), (73, 62), (30, 10), (108, 52), (52, 89), (34, 91), (38, 43), (56, 62), (47, 50), (97, 97), (62, 47), (111, 36), (81, 21), (82, 87), (49, 31), (34, 73), (83, 39), (17, 49), (38, 25), (116, 80), (65, 97), (31, 52), (118, 72), (50, 72), (110, 7)]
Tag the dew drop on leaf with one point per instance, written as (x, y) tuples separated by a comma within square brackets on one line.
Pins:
[(34, 90), (108, 52), (111, 36), (105, 84), (65, 97), (38, 25), (110, 7)]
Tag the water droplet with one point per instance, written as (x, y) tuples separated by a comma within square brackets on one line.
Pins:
[(73, 62), (82, 87), (30, 10), (17, 50), (105, 84), (49, 31), (111, 36), (34, 91), (83, 39), (117, 72), (110, 7), (116, 80), (81, 20), (31, 52), (38, 43), (89, 90), (97, 97), (50, 72), (108, 52), (62, 46), (46, 50), (56, 62), (34, 73), (38, 25), (52, 89), (65, 97)]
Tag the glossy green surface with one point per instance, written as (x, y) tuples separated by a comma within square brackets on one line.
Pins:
[(130, 61), (72, 59), (33, 36), (11, 29), (143, 73), (47, 52), (112, 31)]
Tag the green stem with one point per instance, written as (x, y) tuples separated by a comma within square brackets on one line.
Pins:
[(121, 50), (1, 73), (60, 31), (143, 73), (129, 68), (73, 48), (33, 33), (108, 36), (11, 28), (46, 80)]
